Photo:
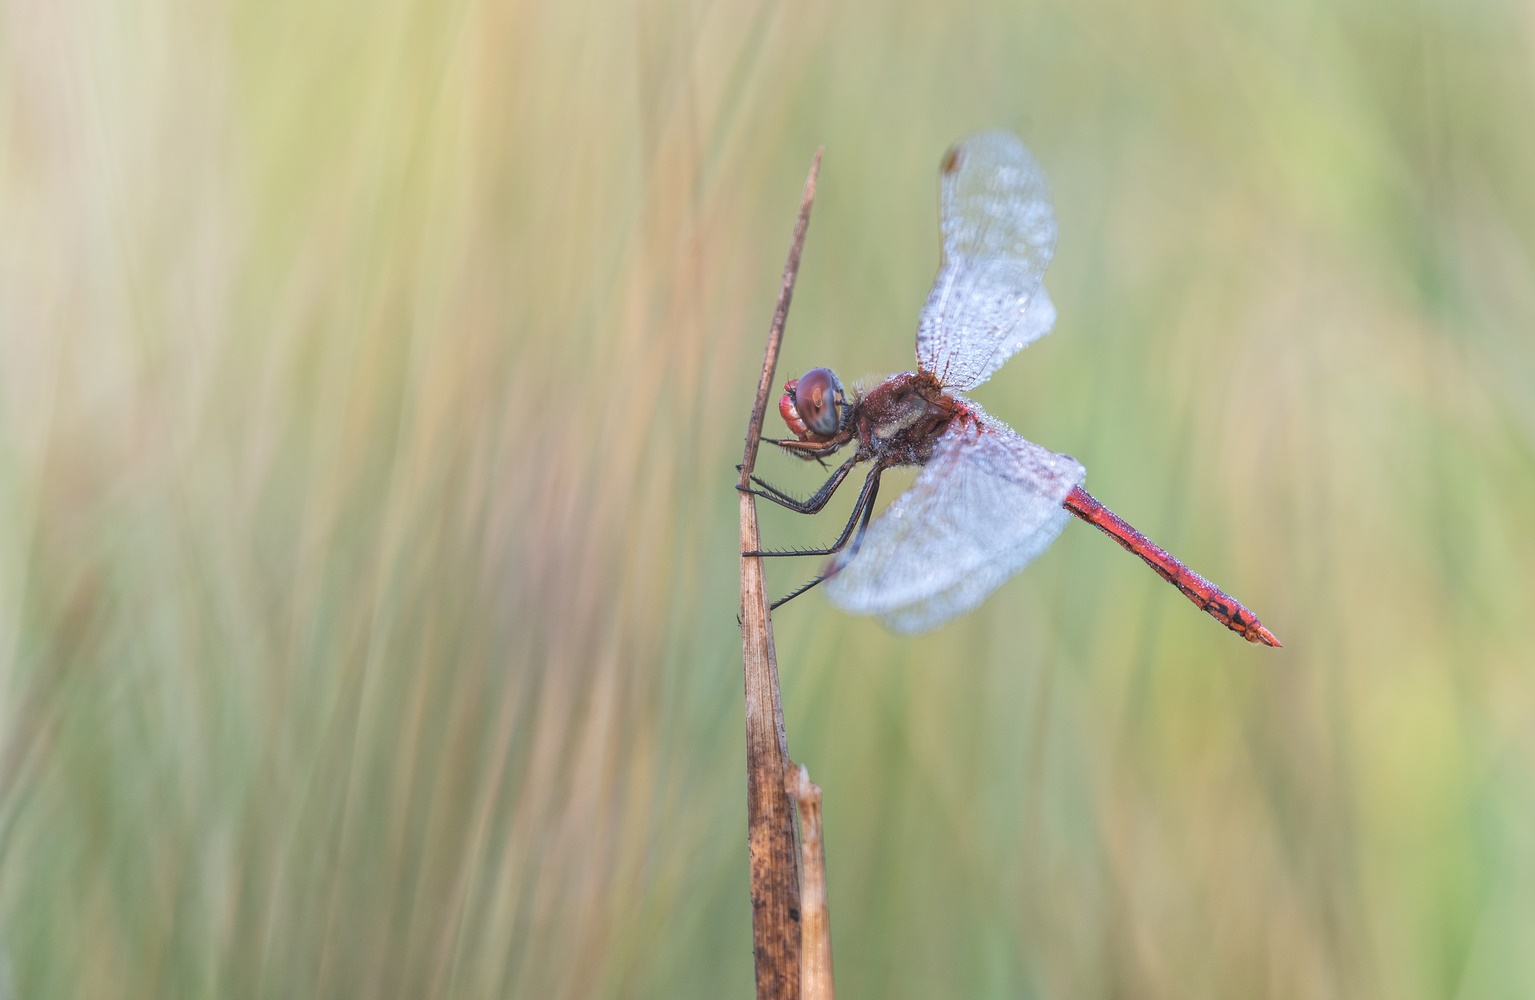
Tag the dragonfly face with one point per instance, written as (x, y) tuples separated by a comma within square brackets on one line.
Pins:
[(814, 405)]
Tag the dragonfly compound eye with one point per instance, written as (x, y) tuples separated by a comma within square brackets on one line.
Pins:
[(818, 397)]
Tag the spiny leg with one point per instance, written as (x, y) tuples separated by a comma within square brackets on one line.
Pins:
[(861, 507), (785, 599), (868, 508), (808, 449), (778, 496), (811, 504)]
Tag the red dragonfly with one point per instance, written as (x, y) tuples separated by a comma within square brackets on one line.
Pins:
[(986, 501)]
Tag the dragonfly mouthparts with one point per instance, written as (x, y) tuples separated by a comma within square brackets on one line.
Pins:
[(790, 412)]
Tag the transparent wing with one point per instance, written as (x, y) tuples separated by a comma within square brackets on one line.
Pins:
[(985, 504), (998, 236)]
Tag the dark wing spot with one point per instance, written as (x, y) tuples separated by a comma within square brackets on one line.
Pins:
[(950, 161)]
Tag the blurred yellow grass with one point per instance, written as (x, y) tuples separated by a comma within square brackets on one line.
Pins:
[(370, 381)]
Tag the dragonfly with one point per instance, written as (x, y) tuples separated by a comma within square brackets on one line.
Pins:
[(986, 501)]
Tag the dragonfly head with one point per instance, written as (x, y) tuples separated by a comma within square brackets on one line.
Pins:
[(814, 404)]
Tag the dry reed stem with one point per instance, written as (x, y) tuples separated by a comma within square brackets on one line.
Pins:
[(815, 978), (769, 819)]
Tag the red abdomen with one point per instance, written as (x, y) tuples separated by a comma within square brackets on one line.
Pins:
[(1207, 596)]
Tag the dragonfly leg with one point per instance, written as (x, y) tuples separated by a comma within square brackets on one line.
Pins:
[(808, 449), (811, 504), (871, 487), (785, 599), (861, 508)]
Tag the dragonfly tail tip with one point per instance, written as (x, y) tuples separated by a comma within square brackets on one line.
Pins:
[(1263, 635)]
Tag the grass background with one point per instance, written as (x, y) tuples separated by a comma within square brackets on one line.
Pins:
[(370, 381)]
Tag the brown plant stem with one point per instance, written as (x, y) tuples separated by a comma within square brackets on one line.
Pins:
[(769, 818), (815, 976)]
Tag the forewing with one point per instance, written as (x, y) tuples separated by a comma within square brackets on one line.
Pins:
[(987, 503), (998, 235)]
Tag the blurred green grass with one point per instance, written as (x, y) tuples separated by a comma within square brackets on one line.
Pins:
[(370, 381)]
